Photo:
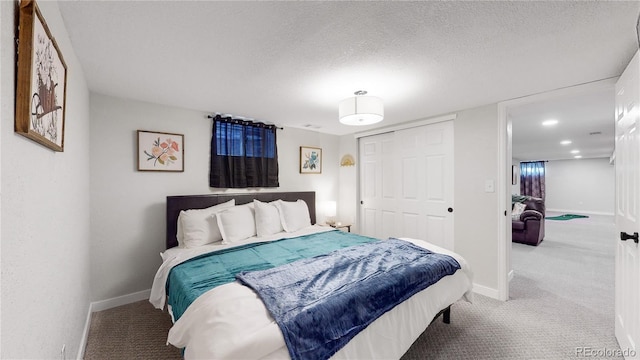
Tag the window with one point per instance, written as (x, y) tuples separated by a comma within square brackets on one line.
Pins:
[(243, 154), (532, 180), (236, 139), (532, 168)]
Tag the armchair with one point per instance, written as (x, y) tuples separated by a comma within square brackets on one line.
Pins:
[(529, 228)]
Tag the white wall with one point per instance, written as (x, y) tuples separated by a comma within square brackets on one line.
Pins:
[(476, 211), (45, 218), (4, 111), (580, 186), (515, 188), (128, 206), (348, 190)]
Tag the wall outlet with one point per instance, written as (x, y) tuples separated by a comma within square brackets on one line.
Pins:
[(63, 352)]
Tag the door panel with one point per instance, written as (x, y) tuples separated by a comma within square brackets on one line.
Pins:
[(435, 137), (388, 225), (436, 227), (409, 178), (416, 170), (376, 186), (435, 178), (388, 179), (369, 187), (410, 226), (369, 222), (627, 167)]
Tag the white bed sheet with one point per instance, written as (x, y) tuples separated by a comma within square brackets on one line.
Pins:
[(177, 255), (231, 322)]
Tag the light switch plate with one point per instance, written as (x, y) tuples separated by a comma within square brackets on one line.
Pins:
[(489, 186)]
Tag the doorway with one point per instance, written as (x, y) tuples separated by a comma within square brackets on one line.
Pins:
[(544, 151)]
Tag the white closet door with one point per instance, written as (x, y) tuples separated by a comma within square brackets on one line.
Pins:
[(377, 186), (426, 183), (406, 184)]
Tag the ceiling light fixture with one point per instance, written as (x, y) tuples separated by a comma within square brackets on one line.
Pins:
[(575, 151), (361, 109), (565, 142), (550, 122), (578, 157)]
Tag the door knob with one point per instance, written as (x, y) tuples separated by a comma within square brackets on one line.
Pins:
[(450, 209), (624, 236)]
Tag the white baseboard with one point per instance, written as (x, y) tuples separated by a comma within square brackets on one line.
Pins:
[(85, 335), (486, 291), (580, 212), (120, 300), (105, 305)]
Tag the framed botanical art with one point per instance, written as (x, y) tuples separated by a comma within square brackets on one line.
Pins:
[(160, 151), (310, 160), (41, 81)]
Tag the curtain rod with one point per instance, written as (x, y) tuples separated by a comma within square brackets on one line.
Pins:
[(277, 127)]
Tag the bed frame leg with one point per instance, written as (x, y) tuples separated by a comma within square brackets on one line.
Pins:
[(446, 315)]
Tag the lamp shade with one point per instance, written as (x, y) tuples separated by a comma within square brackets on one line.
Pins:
[(361, 110), (329, 208)]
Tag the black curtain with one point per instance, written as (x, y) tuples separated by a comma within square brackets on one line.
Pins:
[(243, 154)]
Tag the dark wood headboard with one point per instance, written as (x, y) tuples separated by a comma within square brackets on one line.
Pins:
[(177, 203)]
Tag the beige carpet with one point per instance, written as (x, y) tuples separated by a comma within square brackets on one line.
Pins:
[(561, 304), (134, 331)]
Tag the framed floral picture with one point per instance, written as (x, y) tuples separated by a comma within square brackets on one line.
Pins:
[(310, 160), (160, 151), (41, 81)]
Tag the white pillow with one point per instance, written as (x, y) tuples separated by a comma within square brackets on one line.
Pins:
[(294, 215), (197, 227), (237, 223), (518, 209), (267, 218)]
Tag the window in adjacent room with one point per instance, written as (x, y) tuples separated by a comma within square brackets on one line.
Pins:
[(243, 154), (532, 181)]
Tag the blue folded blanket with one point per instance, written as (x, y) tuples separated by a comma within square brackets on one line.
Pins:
[(321, 303)]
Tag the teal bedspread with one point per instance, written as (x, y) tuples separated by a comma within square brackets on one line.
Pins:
[(194, 277)]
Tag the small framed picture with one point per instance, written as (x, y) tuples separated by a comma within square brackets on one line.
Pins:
[(310, 160), (160, 151), (42, 81)]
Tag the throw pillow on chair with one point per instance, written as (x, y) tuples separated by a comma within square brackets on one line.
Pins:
[(518, 209)]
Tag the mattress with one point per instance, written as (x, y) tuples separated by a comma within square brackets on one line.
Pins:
[(231, 322)]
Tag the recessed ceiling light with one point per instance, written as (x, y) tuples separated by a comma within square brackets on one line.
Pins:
[(575, 151), (578, 157), (565, 142), (550, 122)]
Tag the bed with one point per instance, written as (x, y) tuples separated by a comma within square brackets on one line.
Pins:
[(231, 321)]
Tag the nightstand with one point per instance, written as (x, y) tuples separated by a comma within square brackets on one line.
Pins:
[(341, 226)]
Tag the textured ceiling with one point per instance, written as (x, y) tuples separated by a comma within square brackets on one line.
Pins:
[(290, 63), (586, 119)]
